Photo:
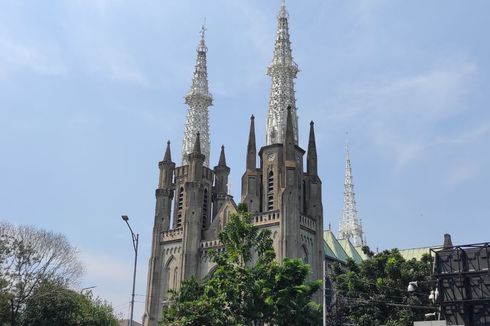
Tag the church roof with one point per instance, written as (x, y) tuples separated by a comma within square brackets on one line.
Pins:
[(361, 253), (350, 250), (417, 253), (342, 249), (335, 247)]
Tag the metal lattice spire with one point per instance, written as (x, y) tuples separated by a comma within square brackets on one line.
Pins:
[(282, 70), (350, 226), (198, 99)]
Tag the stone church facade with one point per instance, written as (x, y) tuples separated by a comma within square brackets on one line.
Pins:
[(192, 200)]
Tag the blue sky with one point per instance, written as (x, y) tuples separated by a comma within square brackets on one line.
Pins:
[(90, 91)]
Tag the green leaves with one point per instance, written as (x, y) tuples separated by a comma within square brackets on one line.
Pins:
[(36, 267), (53, 304), (244, 290), (371, 293)]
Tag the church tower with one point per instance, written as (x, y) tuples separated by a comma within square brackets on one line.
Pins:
[(350, 225), (279, 192), (193, 202), (283, 71), (198, 99)]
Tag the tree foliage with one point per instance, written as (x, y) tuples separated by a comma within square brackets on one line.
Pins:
[(374, 292), (36, 269), (30, 257), (53, 305), (247, 289)]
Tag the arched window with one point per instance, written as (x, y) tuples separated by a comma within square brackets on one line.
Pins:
[(304, 254), (304, 198), (168, 285), (270, 191), (270, 187), (205, 209), (176, 277), (180, 207)]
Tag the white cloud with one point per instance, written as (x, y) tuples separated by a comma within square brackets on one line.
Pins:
[(119, 66), (15, 55), (466, 136), (429, 95), (401, 114), (103, 267), (460, 174)]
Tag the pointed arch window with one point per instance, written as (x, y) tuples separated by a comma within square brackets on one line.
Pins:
[(168, 277), (205, 209), (180, 207), (176, 276), (270, 182), (270, 191), (304, 254)]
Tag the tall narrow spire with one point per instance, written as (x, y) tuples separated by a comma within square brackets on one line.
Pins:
[(168, 156), (198, 99), (282, 70), (251, 147), (311, 156), (222, 157), (350, 226)]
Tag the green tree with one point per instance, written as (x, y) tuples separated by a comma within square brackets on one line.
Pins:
[(374, 292), (244, 290), (36, 269), (4, 293), (55, 305), (29, 257)]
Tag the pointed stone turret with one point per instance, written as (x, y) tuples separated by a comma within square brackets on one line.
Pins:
[(168, 156), (222, 157), (251, 147), (282, 70), (311, 158), (251, 177), (198, 99), (164, 195), (166, 169), (221, 173), (289, 148), (196, 160)]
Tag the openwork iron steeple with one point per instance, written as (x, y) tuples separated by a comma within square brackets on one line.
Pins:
[(350, 226), (198, 99), (282, 70)]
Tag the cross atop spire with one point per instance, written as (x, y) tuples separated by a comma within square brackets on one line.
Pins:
[(282, 70), (283, 12), (198, 99), (203, 29)]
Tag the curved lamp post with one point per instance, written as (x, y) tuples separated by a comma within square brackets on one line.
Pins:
[(134, 238)]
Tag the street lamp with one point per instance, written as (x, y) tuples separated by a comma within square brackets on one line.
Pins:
[(134, 238)]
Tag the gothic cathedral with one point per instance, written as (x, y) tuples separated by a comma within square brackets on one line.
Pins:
[(279, 192)]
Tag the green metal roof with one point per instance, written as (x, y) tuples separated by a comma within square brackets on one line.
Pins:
[(342, 249), (361, 253), (328, 252), (335, 248), (350, 250), (416, 253)]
